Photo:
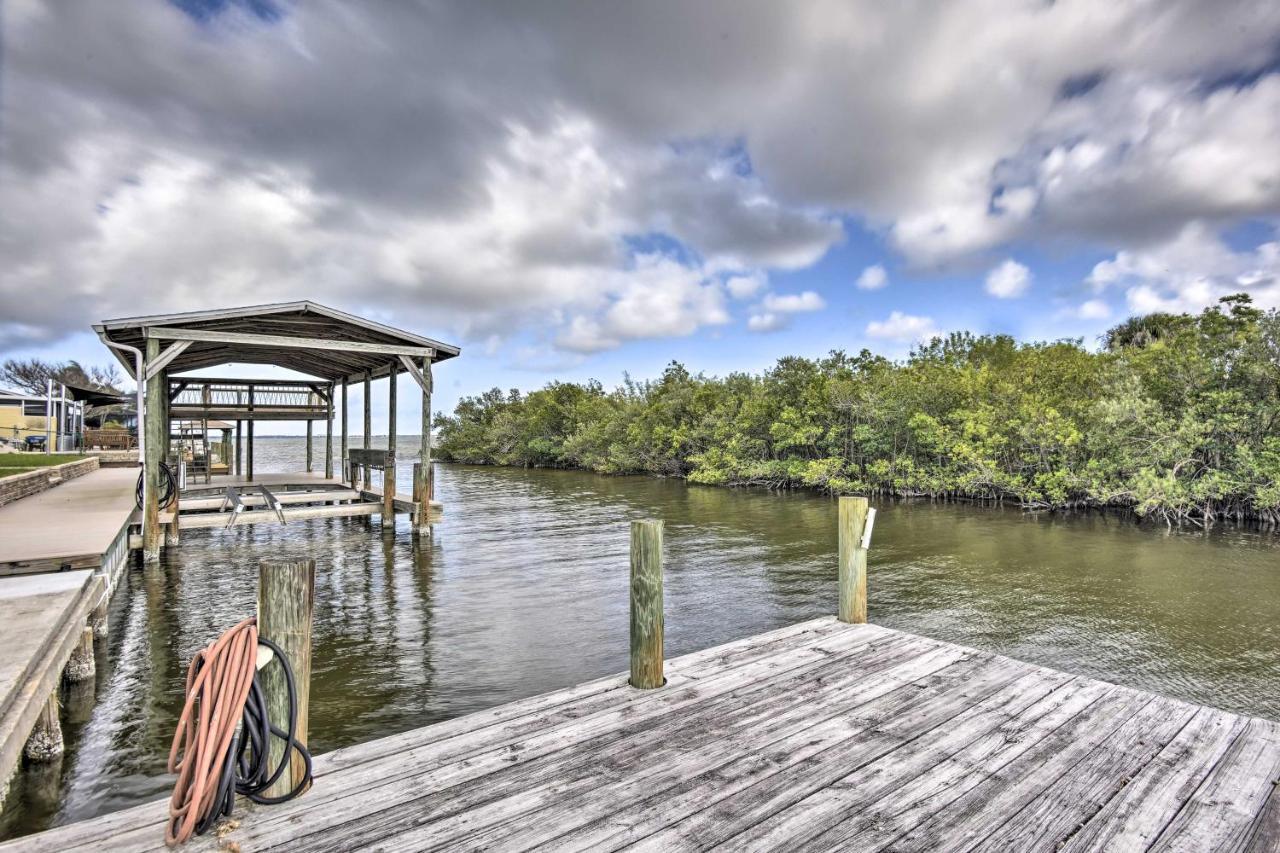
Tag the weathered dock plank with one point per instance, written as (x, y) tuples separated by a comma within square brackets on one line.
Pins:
[(821, 736)]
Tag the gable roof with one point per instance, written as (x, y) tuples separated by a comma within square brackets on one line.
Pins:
[(244, 339)]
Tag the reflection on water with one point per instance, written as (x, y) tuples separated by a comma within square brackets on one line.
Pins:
[(523, 589)]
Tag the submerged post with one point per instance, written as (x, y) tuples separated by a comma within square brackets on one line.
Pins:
[(286, 600), (646, 604), (853, 560), (389, 464)]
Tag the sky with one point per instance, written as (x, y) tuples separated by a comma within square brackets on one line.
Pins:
[(570, 190)]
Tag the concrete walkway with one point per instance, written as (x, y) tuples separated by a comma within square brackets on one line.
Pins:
[(71, 526)]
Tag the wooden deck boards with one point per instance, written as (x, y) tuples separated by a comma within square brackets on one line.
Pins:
[(820, 736), (72, 524)]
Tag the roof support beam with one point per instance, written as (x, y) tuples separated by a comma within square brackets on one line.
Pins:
[(414, 372), (283, 341), (162, 361)]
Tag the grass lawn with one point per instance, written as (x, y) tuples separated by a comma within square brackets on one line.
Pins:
[(14, 463)]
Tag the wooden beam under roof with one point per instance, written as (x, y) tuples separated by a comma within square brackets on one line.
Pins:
[(283, 341)]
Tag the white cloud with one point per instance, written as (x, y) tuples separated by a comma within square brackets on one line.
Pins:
[(873, 278), (745, 286), (472, 175), (1093, 309), (1009, 280), (903, 328), (1191, 272), (766, 322), (794, 303)]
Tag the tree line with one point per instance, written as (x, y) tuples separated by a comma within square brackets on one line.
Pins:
[(1176, 417)]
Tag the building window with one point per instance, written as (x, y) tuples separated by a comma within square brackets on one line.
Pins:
[(34, 408)]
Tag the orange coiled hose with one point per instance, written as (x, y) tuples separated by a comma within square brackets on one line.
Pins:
[(218, 684)]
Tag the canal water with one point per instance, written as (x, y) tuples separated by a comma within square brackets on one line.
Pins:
[(523, 589)]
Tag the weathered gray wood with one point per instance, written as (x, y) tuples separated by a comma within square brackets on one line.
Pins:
[(389, 468), (423, 486), (1139, 811), (368, 425), (171, 333), (328, 434), (646, 604), (853, 560), (1224, 811), (153, 367), (155, 432), (310, 464), (900, 786), (500, 727), (286, 601), (239, 427), (342, 457), (823, 736)]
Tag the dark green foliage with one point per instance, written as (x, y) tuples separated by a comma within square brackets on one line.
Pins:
[(1178, 418)]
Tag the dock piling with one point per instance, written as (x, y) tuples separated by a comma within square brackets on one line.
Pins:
[(646, 605), (853, 560), (81, 666), (45, 742), (286, 601)]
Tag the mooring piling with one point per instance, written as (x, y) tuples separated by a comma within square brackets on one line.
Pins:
[(853, 560), (286, 602), (646, 604)]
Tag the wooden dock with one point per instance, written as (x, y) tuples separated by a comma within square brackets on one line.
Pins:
[(819, 736), (78, 525), (42, 619), (301, 496)]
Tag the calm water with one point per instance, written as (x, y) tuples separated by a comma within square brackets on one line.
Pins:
[(523, 589)]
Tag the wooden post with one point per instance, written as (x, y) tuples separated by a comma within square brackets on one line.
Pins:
[(154, 430), (171, 535), (81, 666), (853, 560), (646, 604), (328, 435), (45, 741), (309, 454), (249, 452), (389, 470), (286, 600), (422, 473), (342, 458), (389, 493), (239, 425), (368, 423)]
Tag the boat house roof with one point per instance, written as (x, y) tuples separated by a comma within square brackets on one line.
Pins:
[(302, 336)]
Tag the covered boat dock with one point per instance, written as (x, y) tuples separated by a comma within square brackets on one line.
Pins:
[(335, 350)]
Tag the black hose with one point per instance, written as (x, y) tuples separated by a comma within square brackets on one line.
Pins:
[(168, 485), (245, 770)]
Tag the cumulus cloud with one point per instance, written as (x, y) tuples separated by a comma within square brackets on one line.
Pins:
[(745, 286), (903, 328), (1190, 272), (794, 303), (476, 173), (1009, 280), (873, 278)]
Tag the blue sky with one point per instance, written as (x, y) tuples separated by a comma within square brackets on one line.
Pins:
[(582, 192)]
